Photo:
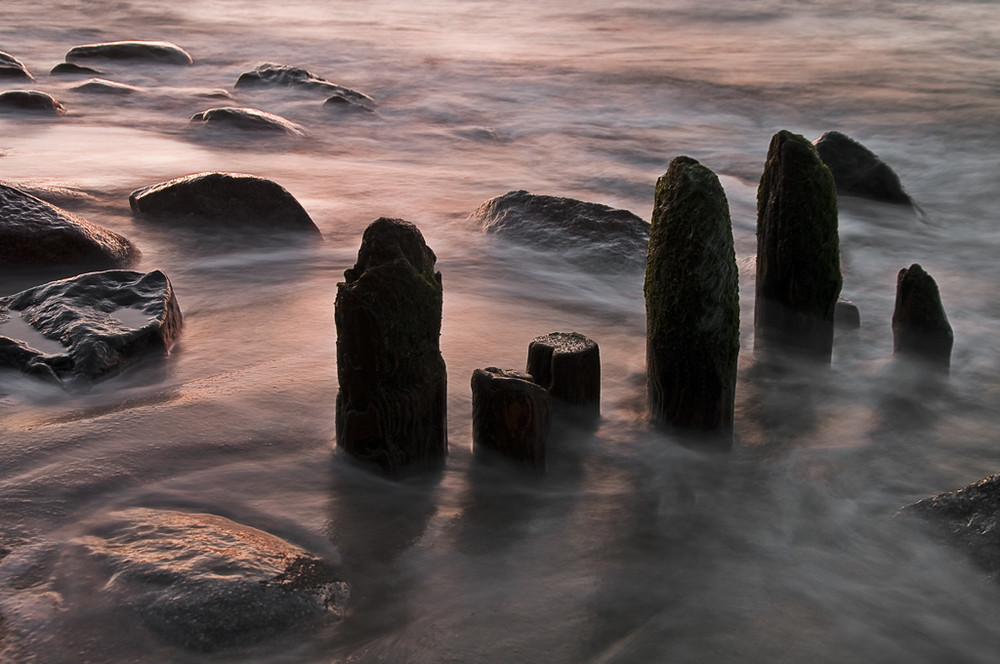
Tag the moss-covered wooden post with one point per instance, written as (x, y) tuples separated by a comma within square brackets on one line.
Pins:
[(692, 302), (798, 251), (392, 399), (920, 328), (510, 416), (568, 365)]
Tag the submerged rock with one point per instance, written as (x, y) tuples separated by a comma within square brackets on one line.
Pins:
[(858, 171), (846, 315), (283, 76), (203, 582), (12, 68), (591, 230), (920, 328), (798, 251), (105, 87), (391, 407), (692, 303), (31, 101), (78, 330), (236, 200), (38, 235), (247, 119), (159, 52), (70, 69), (568, 365), (510, 416)]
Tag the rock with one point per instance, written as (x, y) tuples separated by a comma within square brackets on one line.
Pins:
[(12, 68), (236, 200), (594, 231), (857, 171), (568, 365), (283, 76), (391, 408), (846, 315), (692, 303), (342, 103), (510, 416), (100, 323), (247, 119), (157, 52), (70, 69), (920, 328), (968, 518), (32, 101), (37, 235), (105, 87), (798, 251), (203, 582)]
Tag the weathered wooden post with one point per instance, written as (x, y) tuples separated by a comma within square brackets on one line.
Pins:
[(568, 365), (510, 415), (920, 328)]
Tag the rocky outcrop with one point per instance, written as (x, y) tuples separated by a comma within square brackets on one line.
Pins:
[(31, 101), (233, 200), (920, 328), (203, 582), (89, 327), (392, 400), (246, 119), (568, 365), (798, 251), (37, 235), (13, 69), (579, 230), (692, 303), (102, 86), (153, 52), (283, 76), (510, 416), (858, 171), (70, 69)]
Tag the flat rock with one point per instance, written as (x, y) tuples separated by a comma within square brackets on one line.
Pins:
[(31, 101), (159, 52), (236, 200), (75, 331), (246, 119), (103, 86), (204, 582), (858, 171), (12, 68), (284, 76), (580, 230), (70, 69), (35, 234)]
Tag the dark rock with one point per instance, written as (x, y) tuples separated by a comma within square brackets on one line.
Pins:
[(692, 303), (236, 200), (857, 171), (617, 237), (510, 416), (31, 101), (968, 518), (248, 119), (159, 52), (846, 315), (12, 68), (36, 234), (105, 87), (342, 103), (920, 328), (568, 365), (798, 251), (70, 69), (203, 582), (392, 400), (103, 321), (283, 76)]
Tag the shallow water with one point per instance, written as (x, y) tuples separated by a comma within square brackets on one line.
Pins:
[(632, 548)]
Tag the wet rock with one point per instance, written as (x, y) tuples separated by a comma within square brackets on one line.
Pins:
[(203, 582), (920, 328), (579, 230), (234, 200), (568, 365), (857, 171), (156, 52), (846, 315), (392, 400), (103, 86), (37, 235), (95, 325), (283, 76), (12, 68), (968, 518), (31, 101), (70, 69), (692, 303), (510, 416), (343, 103), (798, 251), (247, 119)]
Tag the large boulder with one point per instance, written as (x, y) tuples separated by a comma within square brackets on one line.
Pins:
[(391, 407), (692, 303), (95, 325), (798, 251), (577, 229), (31, 101), (35, 234), (157, 52), (203, 582), (858, 171), (236, 200), (283, 76), (920, 328), (246, 119), (12, 68)]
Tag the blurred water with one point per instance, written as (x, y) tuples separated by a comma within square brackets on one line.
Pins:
[(632, 548)]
